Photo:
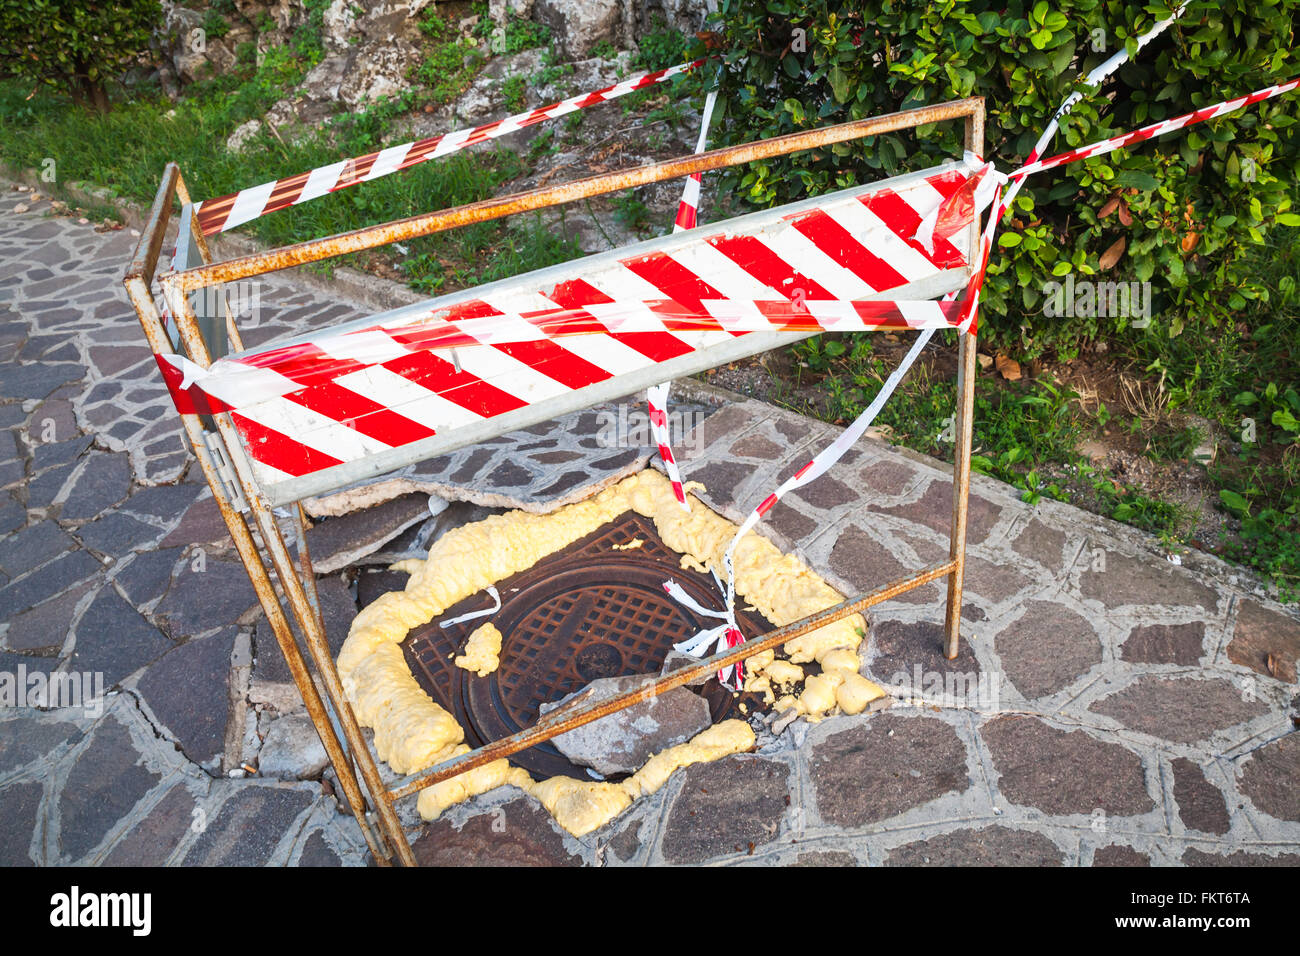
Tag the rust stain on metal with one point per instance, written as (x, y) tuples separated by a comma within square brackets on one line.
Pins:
[(542, 197)]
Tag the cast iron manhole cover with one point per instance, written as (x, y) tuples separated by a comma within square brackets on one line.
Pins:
[(586, 612)]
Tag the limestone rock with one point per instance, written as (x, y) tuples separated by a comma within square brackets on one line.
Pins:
[(238, 140), (376, 70), (292, 750), (579, 25)]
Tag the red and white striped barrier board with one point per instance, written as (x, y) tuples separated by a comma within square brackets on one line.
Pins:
[(404, 376), (227, 212)]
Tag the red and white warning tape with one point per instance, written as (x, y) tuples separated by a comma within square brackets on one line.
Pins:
[(1157, 129), (238, 382), (657, 395), (227, 212)]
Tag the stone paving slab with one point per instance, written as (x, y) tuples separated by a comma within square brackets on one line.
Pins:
[(1107, 707)]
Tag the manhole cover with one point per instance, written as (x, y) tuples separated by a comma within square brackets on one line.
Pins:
[(586, 612)]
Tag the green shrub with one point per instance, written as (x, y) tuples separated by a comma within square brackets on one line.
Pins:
[(1181, 204), (215, 25), (661, 46), (75, 47), (521, 35)]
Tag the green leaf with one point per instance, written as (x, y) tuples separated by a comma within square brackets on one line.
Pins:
[(1283, 419), (1131, 178), (1234, 502)]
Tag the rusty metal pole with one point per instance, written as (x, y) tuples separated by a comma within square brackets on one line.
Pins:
[(137, 281), (371, 237), (963, 429), (299, 604), (248, 554)]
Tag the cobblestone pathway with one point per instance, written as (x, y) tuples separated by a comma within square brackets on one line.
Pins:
[(1121, 710)]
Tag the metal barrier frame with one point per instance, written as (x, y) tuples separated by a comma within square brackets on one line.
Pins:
[(244, 506)]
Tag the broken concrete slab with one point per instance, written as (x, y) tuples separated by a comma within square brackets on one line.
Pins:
[(337, 542), (624, 741)]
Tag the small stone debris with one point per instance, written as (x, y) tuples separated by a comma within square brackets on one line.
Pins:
[(292, 750), (784, 720)]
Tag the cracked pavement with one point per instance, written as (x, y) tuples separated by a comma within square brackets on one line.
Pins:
[(1108, 707)]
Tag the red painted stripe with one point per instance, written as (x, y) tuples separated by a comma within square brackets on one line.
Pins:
[(673, 279), (802, 471), (758, 259), (556, 362), (549, 358), (657, 346), (354, 171), (420, 151), (356, 411), (481, 133), (285, 194), (834, 240), (279, 450), (304, 363), (591, 99), (903, 220), (766, 506), (466, 390)]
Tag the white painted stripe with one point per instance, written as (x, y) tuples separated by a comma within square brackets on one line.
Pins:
[(604, 352), (388, 161), (508, 374), (321, 181), (624, 285), (691, 192), (267, 476), (237, 384), (600, 350), (451, 142), (802, 254), (506, 328), (835, 316), (313, 429), (736, 315), (249, 205), (407, 398), (720, 272), (868, 229), (370, 346), (921, 315)]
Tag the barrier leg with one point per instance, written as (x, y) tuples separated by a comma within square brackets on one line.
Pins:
[(963, 428)]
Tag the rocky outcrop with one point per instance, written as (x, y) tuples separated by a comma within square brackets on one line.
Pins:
[(579, 26)]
